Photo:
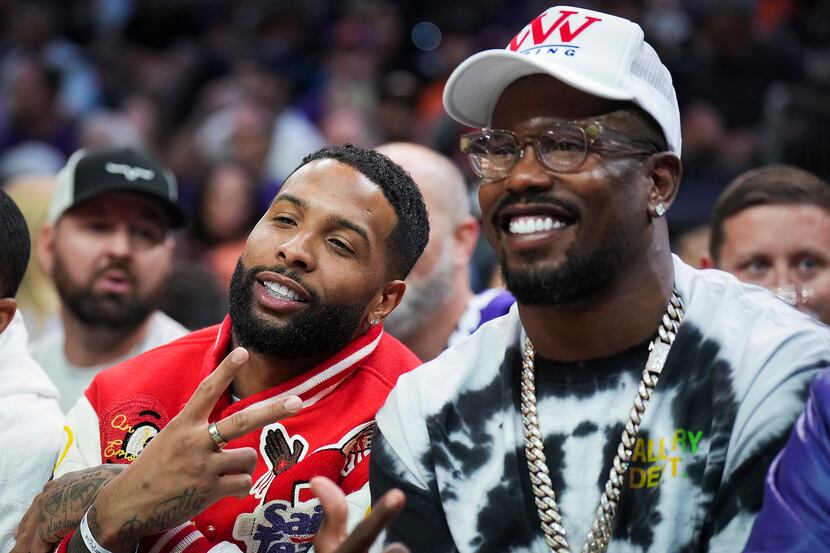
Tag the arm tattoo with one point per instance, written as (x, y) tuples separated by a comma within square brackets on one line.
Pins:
[(76, 543), (166, 514), (67, 499)]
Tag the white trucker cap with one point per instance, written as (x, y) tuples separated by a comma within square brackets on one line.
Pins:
[(597, 53)]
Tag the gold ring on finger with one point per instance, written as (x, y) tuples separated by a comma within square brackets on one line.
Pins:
[(215, 436)]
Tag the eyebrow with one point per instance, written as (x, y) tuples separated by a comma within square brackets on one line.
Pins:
[(333, 219)]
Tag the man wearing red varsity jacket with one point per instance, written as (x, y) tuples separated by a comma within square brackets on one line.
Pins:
[(320, 271)]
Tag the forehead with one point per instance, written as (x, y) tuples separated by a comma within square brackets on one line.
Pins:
[(778, 228), (330, 188), (540, 98), (122, 205)]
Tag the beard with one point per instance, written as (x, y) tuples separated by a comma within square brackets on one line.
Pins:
[(424, 297), (104, 310), (580, 278), (320, 330)]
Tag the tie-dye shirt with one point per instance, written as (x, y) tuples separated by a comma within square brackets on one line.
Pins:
[(450, 433)]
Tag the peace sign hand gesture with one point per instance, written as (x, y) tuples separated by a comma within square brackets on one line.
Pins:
[(182, 471)]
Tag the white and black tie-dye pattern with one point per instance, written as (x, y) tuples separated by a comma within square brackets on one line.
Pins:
[(735, 380)]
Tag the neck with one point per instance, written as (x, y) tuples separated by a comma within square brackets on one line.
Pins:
[(622, 316), (263, 372), (430, 339), (86, 346)]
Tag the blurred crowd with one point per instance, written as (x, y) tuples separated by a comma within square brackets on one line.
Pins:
[(231, 94)]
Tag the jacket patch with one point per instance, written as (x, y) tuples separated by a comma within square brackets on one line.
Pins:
[(280, 526), (128, 426), (354, 446), (281, 452)]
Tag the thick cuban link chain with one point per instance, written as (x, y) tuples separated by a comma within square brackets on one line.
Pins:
[(599, 536)]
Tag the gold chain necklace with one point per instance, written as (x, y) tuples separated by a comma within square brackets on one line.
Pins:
[(550, 517)]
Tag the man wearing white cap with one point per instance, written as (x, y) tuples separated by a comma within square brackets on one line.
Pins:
[(629, 402)]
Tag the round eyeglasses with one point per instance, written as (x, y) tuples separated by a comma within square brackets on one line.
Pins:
[(562, 148)]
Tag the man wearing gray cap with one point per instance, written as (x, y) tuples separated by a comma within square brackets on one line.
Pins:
[(108, 248), (629, 402)]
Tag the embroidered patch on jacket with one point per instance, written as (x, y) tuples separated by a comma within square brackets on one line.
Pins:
[(281, 525), (281, 452), (128, 426), (354, 446)]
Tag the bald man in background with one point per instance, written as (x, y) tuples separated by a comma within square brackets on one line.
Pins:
[(439, 308)]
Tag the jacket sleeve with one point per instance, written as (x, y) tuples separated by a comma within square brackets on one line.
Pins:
[(795, 516), (81, 447)]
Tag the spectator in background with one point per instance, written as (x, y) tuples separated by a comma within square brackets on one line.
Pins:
[(771, 227), (439, 308), (30, 419), (108, 249), (225, 211), (36, 297), (35, 113)]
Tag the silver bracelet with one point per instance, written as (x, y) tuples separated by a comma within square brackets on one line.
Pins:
[(89, 539)]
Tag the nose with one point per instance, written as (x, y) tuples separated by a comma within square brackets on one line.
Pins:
[(296, 251), (528, 174), (118, 242), (782, 275)]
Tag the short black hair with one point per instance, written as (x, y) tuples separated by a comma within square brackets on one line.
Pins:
[(408, 239), (776, 184), (15, 246)]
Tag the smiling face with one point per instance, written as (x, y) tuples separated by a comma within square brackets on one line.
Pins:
[(782, 245), (563, 238), (315, 267)]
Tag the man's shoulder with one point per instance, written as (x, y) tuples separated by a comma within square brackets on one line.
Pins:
[(163, 329), (178, 361), (46, 346), (466, 370), (391, 359)]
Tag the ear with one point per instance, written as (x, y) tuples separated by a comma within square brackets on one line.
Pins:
[(665, 171), (706, 262), (465, 236), (8, 307), (386, 301), (45, 248)]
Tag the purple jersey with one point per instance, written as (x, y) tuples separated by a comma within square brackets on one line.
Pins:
[(489, 304)]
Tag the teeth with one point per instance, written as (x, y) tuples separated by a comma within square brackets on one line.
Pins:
[(529, 225), (281, 291)]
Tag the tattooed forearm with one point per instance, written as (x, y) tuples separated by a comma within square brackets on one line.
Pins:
[(166, 515), (92, 521), (76, 544), (64, 501)]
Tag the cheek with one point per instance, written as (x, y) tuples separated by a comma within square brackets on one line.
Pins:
[(78, 256), (152, 268)]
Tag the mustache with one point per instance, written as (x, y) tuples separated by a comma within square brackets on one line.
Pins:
[(250, 276), (534, 198), (119, 265)]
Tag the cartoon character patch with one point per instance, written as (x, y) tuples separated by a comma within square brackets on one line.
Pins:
[(128, 426), (281, 526), (281, 452), (354, 446)]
